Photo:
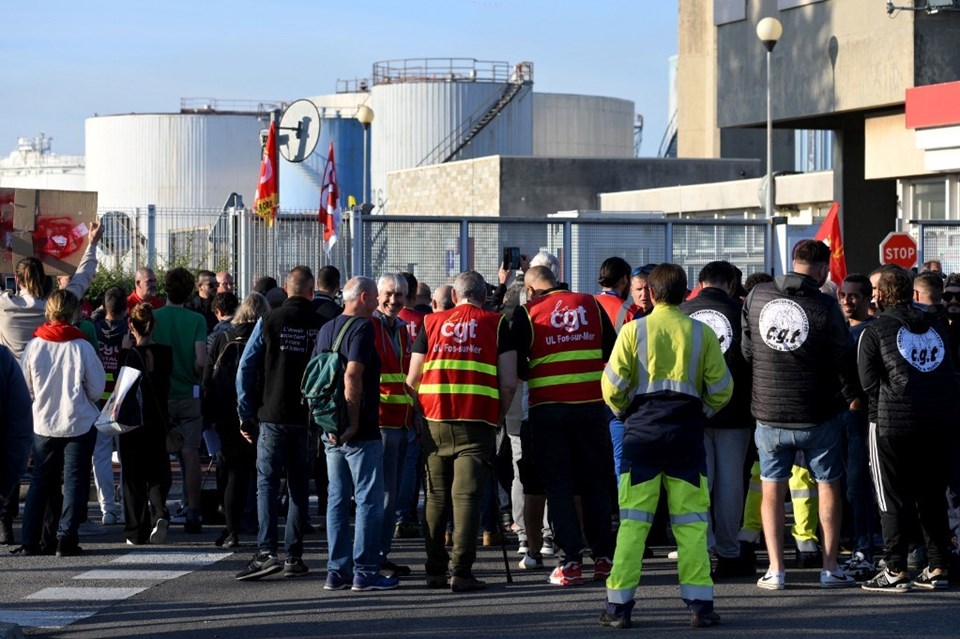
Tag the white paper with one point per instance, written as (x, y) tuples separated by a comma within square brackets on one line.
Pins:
[(106, 423)]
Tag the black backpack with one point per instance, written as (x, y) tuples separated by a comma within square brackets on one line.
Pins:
[(225, 369)]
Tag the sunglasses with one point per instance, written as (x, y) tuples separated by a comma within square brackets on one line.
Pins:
[(643, 270), (949, 297)]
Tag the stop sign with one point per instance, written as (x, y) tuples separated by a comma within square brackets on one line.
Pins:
[(899, 249)]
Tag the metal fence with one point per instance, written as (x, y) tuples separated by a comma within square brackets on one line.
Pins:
[(939, 240), (434, 248)]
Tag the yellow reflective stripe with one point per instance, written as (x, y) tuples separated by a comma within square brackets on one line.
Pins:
[(459, 389), (459, 365), (396, 399), (110, 377), (555, 380), (389, 378), (569, 356)]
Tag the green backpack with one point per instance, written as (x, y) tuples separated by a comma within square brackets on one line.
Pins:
[(322, 387)]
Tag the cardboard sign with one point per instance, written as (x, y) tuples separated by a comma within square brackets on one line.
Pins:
[(49, 225)]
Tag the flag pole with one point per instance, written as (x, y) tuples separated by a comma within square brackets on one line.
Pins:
[(276, 225)]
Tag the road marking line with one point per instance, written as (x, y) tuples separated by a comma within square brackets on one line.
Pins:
[(185, 558), (44, 618), (132, 574), (85, 593)]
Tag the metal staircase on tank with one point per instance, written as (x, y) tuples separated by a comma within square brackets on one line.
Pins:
[(450, 147)]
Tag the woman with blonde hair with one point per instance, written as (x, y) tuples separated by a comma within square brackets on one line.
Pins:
[(238, 457), (65, 379), (143, 451)]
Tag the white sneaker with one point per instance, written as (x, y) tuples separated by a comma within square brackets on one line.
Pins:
[(772, 581), (858, 567), (531, 563), (159, 533), (523, 549), (836, 579), (673, 554)]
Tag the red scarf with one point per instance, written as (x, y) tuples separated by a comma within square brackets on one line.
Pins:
[(58, 332)]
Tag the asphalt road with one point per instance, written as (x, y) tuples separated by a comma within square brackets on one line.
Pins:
[(185, 589)]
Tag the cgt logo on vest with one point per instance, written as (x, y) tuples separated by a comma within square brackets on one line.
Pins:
[(569, 319), (923, 351), (461, 332), (783, 325)]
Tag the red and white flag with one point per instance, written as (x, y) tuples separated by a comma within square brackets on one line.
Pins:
[(268, 187), (329, 213), (829, 234)]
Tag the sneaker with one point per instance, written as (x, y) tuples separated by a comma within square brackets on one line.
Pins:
[(335, 581), (547, 548), (531, 562), (407, 531), (159, 533), (6, 533), (227, 540), (935, 579), (523, 549), (704, 619), (466, 584), (601, 568), (569, 574), (809, 558), (858, 567), (261, 565), (836, 579), (109, 519), (887, 581), (294, 567), (772, 581), (492, 538), (617, 615), (68, 549), (365, 581), (391, 569), (437, 581)]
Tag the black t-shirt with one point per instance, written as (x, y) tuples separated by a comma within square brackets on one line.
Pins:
[(358, 345), (504, 341)]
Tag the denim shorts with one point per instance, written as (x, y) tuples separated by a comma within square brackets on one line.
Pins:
[(820, 445)]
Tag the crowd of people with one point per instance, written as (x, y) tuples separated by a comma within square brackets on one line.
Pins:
[(559, 415)]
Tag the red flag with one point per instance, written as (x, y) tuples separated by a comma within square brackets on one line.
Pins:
[(329, 213), (268, 188), (829, 234)]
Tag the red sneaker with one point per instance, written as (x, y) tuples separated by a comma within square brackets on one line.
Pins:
[(601, 568), (569, 574)]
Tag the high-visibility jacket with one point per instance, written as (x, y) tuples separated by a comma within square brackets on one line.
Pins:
[(665, 376), (396, 404), (566, 352), (459, 381), (620, 311), (414, 320)]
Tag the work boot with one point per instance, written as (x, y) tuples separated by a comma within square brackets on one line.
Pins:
[(617, 615)]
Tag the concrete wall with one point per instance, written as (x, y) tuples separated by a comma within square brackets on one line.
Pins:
[(697, 132), (937, 56), (840, 55), (890, 149), (535, 187)]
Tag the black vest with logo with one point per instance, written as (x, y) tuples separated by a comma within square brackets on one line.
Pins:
[(794, 363), (919, 388), (722, 314)]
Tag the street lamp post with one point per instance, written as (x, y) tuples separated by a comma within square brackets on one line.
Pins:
[(769, 31), (365, 117)]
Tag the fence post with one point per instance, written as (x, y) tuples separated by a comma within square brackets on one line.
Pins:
[(668, 240), (464, 246), (920, 237), (137, 226), (356, 242), (768, 247), (152, 237), (568, 252)]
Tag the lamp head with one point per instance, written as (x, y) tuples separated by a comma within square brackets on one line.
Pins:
[(364, 115), (769, 31)]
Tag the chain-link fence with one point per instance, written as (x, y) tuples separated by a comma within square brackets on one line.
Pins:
[(939, 240), (434, 248)]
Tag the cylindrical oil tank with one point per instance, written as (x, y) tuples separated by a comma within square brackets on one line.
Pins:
[(582, 126), (413, 119), (172, 160)]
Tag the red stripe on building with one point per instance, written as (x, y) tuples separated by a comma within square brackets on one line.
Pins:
[(933, 105)]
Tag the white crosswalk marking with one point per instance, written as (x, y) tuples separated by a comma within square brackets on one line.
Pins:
[(172, 558), (131, 574), (44, 618), (88, 593)]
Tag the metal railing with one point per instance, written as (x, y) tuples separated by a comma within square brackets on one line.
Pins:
[(434, 248), (938, 240), (440, 69)]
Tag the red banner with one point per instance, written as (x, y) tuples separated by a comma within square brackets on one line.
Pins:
[(329, 213), (268, 188), (829, 234)]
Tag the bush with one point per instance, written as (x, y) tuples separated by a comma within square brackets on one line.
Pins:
[(106, 278)]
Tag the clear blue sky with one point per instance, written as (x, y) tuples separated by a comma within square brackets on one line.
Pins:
[(64, 61)]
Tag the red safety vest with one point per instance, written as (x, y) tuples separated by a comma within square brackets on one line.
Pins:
[(414, 320), (566, 353), (459, 381), (619, 311), (396, 404)]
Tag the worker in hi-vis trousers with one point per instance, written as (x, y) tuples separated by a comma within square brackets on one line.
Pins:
[(806, 519), (665, 376)]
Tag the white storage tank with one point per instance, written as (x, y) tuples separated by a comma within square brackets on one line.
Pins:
[(172, 160), (582, 126), (423, 107)]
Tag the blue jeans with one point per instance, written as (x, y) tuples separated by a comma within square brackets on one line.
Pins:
[(354, 469), (279, 447), (51, 456), (410, 481), (394, 451), (616, 438), (859, 486), (726, 449), (820, 446)]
